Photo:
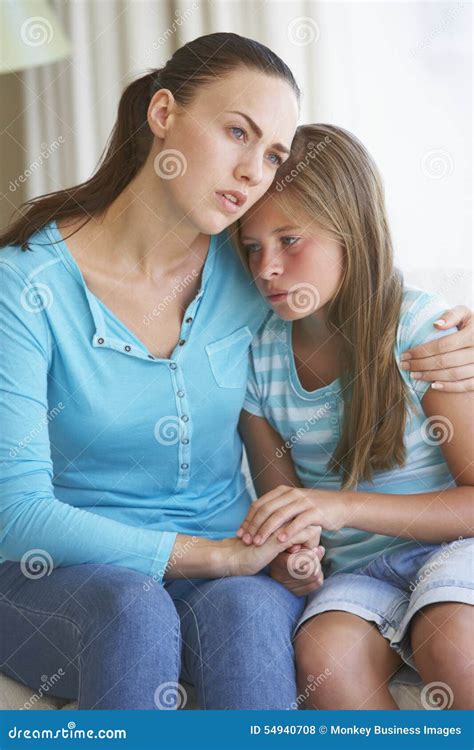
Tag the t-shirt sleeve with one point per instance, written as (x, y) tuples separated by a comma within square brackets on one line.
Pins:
[(34, 524), (420, 310), (253, 398)]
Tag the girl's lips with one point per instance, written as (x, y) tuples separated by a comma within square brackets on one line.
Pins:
[(227, 205), (277, 297)]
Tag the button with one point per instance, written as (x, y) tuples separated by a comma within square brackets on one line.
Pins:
[(185, 441), (181, 342), (181, 394), (100, 341), (184, 466), (189, 320), (185, 418), (173, 366), (128, 348), (150, 356)]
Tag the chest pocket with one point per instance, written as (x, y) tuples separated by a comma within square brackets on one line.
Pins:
[(228, 358)]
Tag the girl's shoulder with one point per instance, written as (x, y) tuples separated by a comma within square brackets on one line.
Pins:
[(419, 311), (271, 335)]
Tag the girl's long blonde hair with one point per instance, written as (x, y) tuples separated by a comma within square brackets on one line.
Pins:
[(331, 179)]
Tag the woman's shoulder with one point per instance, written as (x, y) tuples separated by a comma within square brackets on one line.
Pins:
[(41, 253)]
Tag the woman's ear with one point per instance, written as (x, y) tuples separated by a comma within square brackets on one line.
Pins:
[(161, 109)]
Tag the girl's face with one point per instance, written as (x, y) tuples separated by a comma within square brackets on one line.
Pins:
[(233, 136), (297, 267)]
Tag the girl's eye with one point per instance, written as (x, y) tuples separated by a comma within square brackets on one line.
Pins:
[(278, 160), (239, 130), (289, 241), (252, 247)]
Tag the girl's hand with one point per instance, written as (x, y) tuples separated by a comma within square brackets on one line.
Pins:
[(300, 572), (244, 560), (449, 361), (307, 507)]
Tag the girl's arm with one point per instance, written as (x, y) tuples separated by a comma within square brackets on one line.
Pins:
[(447, 362), (431, 516)]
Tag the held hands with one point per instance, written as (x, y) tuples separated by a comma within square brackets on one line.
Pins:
[(287, 511)]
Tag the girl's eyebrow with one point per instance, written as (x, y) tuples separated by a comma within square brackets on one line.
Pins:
[(258, 131), (274, 231)]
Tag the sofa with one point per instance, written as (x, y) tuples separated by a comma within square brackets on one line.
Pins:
[(405, 688)]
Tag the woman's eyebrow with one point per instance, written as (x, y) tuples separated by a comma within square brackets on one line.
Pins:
[(258, 131)]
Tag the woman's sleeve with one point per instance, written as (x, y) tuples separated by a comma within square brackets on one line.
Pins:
[(34, 524)]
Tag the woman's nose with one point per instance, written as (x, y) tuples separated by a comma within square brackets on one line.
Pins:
[(250, 170)]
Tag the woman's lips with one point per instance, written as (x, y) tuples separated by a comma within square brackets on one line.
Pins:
[(227, 205)]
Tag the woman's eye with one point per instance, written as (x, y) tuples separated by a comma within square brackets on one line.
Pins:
[(278, 160), (239, 130), (289, 241)]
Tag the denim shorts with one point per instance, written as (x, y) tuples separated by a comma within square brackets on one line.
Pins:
[(393, 587)]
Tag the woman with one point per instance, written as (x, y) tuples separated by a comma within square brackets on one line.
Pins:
[(126, 334)]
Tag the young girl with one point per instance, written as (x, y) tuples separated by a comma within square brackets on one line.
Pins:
[(385, 461)]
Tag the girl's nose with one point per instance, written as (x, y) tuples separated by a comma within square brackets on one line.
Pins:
[(270, 265)]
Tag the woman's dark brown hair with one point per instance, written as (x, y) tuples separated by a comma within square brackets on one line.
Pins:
[(191, 67)]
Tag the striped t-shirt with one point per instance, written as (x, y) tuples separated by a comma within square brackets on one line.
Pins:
[(310, 423)]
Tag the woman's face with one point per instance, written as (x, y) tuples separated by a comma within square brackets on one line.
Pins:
[(297, 267), (233, 136)]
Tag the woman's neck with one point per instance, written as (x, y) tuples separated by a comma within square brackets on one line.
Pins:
[(144, 233)]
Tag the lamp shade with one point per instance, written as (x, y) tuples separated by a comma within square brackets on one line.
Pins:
[(30, 35)]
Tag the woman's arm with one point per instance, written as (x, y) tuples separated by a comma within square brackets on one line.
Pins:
[(431, 516), (447, 362)]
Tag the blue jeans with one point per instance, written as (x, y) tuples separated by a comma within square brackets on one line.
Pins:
[(110, 638)]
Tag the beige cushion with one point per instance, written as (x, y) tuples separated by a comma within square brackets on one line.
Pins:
[(14, 696)]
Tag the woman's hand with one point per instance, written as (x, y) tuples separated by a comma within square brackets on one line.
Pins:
[(244, 560), (301, 507), (448, 361), (300, 571)]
